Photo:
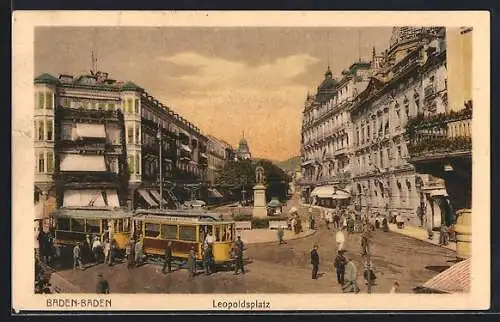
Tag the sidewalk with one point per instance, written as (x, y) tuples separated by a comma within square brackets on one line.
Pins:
[(258, 236), (419, 233)]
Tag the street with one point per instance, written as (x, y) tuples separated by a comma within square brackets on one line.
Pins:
[(275, 268)]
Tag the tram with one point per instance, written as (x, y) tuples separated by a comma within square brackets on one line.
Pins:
[(74, 224), (185, 229)]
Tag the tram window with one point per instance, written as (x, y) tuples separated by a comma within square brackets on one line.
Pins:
[(119, 225), (223, 229), (187, 233), (126, 225), (217, 233), (152, 230), (93, 226), (63, 223), (169, 231), (78, 225)]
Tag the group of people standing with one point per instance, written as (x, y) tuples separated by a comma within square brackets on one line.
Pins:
[(92, 250)]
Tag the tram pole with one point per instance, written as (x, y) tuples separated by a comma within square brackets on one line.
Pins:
[(161, 165)]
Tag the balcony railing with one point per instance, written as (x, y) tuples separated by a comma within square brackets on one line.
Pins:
[(442, 133)]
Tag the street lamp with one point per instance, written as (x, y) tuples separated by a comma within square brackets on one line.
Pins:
[(158, 136)]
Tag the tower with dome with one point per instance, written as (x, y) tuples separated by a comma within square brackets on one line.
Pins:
[(243, 151)]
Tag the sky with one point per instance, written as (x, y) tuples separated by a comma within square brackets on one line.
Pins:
[(224, 80)]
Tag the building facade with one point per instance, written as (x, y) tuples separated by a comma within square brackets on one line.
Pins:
[(218, 156), (97, 142), (378, 99)]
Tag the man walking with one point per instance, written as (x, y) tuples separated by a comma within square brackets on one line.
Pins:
[(77, 256), (239, 257), (281, 233), (129, 251), (352, 275), (207, 259), (340, 263), (167, 264), (315, 262), (102, 286), (443, 236), (138, 252), (191, 264)]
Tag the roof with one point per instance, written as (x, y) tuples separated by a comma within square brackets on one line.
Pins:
[(131, 86), (91, 213), (47, 79), (455, 279)]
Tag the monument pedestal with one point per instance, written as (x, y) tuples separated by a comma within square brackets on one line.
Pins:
[(259, 201)]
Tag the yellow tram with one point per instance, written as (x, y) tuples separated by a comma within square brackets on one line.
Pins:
[(73, 224), (184, 228)]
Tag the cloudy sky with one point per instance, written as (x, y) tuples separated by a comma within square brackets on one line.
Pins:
[(224, 80)]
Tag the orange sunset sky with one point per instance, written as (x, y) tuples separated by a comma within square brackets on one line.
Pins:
[(224, 80)]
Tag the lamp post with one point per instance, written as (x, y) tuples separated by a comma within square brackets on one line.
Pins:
[(158, 136)]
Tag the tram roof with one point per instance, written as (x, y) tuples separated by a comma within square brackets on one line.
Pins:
[(91, 213), (179, 215)]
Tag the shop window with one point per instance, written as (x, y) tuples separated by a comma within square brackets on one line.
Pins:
[(78, 225), (169, 231), (63, 224), (187, 233), (92, 226), (152, 230)]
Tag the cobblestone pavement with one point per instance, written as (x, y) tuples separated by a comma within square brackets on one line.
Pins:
[(275, 268)]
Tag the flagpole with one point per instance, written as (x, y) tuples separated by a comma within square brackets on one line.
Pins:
[(161, 167)]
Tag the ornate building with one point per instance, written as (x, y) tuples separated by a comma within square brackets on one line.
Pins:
[(97, 142), (218, 156), (243, 151)]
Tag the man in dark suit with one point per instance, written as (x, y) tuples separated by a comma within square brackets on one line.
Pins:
[(168, 258), (315, 262)]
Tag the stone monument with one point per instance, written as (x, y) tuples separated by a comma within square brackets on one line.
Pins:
[(259, 194)]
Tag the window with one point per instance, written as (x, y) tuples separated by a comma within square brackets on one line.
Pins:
[(187, 233), (92, 226), (77, 224), (129, 106), (169, 231), (137, 164), (111, 106), (50, 162), (40, 130), (152, 230), (130, 135), (41, 162), (50, 130), (399, 152), (41, 100), (381, 158), (63, 224), (48, 101), (101, 106), (131, 164), (137, 135), (136, 106)]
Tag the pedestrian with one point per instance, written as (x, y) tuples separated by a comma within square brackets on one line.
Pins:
[(42, 241), (344, 222), (113, 249), (138, 253), (351, 275), (395, 287), (311, 221), (97, 249), (340, 263), (443, 236), (207, 259), (191, 263), (364, 243), (281, 233), (167, 264), (385, 225), (102, 286), (209, 239), (129, 251), (340, 239), (239, 264), (87, 249), (315, 262), (369, 273), (49, 248), (294, 224), (77, 256), (106, 250)]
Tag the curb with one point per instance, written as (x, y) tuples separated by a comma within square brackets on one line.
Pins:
[(423, 240)]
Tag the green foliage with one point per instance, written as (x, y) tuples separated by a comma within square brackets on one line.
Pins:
[(258, 223), (242, 217), (424, 122), (440, 145)]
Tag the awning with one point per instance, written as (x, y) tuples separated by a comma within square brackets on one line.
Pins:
[(438, 192), (185, 148), (203, 155), (147, 197), (156, 194), (84, 130), (340, 194), (455, 279), (78, 162), (91, 198), (323, 191)]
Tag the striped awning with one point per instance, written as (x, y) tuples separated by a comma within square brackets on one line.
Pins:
[(78, 162), (323, 191), (455, 279), (156, 195), (214, 193), (147, 197), (91, 198), (84, 130)]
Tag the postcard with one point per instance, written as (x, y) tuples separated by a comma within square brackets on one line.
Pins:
[(250, 161)]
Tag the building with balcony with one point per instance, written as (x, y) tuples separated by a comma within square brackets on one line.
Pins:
[(97, 142), (408, 79), (327, 135)]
